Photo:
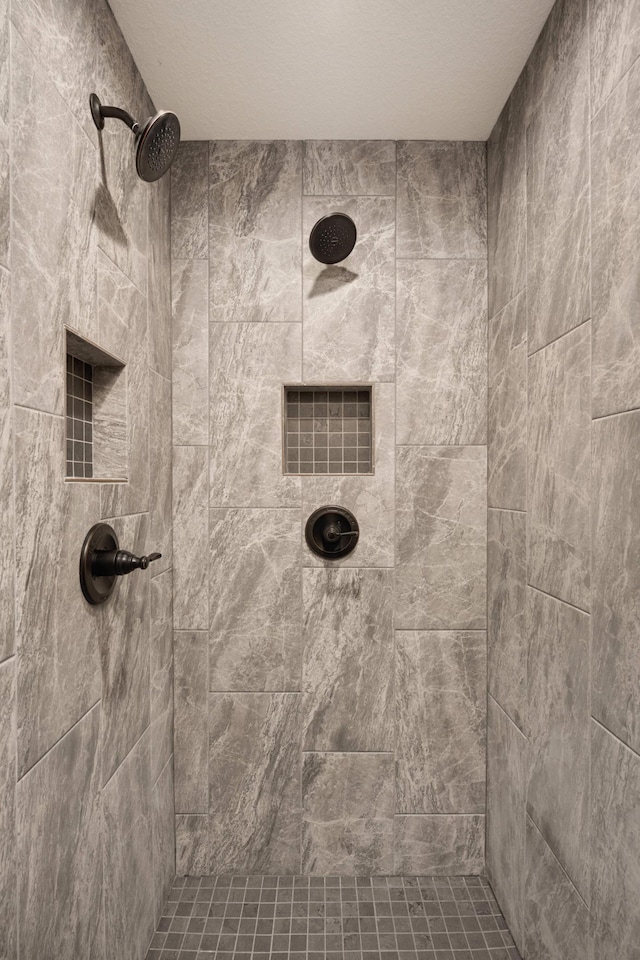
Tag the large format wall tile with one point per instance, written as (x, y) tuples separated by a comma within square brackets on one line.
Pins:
[(558, 730), (5, 184), (52, 196), (506, 612), (161, 672), (350, 167), (615, 850), (616, 575), (8, 854), (442, 200), (441, 538), (442, 351), (507, 415), (254, 782), (507, 200), (558, 294), (441, 684), (190, 316), (190, 538), (348, 659), (190, 201), (559, 427), (615, 44), (615, 176), (60, 849), (256, 600), (159, 278), (163, 837), (248, 365), (370, 498), (58, 661), (160, 472), (439, 845), (556, 919), (506, 794), (124, 654), (7, 549), (347, 819), (129, 914), (191, 736), (255, 192), (349, 308)]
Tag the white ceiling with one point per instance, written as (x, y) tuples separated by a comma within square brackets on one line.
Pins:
[(331, 69)]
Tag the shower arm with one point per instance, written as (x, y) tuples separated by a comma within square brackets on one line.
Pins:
[(99, 112)]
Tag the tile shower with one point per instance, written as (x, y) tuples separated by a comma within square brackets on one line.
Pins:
[(254, 752)]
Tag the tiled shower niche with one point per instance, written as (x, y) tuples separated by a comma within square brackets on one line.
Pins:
[(328, 430), (79, 403)]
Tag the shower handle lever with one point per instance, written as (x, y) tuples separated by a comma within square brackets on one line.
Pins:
[(332, 532), (118, 563)]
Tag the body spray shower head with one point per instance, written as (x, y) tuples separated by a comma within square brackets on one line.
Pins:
[(157, 139)]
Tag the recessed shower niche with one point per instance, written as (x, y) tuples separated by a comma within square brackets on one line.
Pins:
[(96, 412), (328, 430)]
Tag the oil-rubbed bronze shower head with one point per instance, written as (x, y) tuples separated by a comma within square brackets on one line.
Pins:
[(333, 238), (157, 139)]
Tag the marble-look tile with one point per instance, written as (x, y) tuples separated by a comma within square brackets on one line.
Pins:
[(559, 455), (507, 415), (122, 318), (349, 167), (63, 35), (347, 676), (255, 584), (129, 912), (441, 692), (347, 814), (442, 200), (615, 850), (193, 847), (349, 307), (190, 323), (616, 575), (507, 200), (190, 538), (442, 351), (7, 550), (8, 856), (615, 172), (121, 197), (190, 201), (439, 845), (441, 538), (52, 197), (370, 498), (506, 817), (556, 919), (124, 652), (5, 178), (507, 642), (161, 673), (248, 363), (58, 679), (160, 472), (191, 741), (159, 278), (558, 708), (558, 294), (255, 194), (4, 60), (163, 838), (615, 44), (60, 849), (254, 782)]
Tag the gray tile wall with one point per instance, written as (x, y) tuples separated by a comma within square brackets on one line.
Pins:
[(563, 839), (331, 718), (86, 698)]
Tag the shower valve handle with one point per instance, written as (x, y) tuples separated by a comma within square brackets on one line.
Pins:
[(118, 563)]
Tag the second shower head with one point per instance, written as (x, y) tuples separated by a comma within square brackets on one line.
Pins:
[(157, 139)]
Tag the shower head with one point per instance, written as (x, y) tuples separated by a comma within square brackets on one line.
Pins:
[(157, 139), (333, 238)]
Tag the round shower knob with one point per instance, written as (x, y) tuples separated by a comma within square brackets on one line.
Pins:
[(332, 532)]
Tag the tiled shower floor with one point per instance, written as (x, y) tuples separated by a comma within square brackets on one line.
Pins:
[(302, 918)]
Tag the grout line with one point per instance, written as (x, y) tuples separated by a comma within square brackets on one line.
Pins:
[(617, 413), (615, 737), (552, 596), (513, 723), (58, 741), (551, 851), (544, 346)]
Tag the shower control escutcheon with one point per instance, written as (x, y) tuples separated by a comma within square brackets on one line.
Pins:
[(332, 532), (102, 562)]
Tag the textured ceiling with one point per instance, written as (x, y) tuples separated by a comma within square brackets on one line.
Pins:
[(334, 69)]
